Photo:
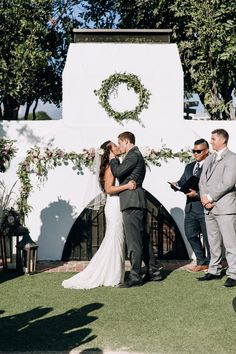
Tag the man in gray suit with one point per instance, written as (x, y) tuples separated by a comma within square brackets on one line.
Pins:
[(218, 196), (133, 207)]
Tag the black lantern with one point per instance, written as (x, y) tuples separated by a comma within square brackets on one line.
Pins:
[(26, 248)]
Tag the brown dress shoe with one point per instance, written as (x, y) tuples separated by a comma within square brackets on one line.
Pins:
[(197, 268), (190, 265)]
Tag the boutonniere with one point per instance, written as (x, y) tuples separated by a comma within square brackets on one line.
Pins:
[(219, 158)]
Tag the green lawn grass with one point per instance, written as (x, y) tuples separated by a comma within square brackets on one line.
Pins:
[(177, 315)]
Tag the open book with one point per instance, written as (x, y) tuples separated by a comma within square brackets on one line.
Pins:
[(191, 183)]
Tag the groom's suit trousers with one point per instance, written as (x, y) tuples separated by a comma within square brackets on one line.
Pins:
[(133, 220)]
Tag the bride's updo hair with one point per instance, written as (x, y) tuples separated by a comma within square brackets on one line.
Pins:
[(105, 148)]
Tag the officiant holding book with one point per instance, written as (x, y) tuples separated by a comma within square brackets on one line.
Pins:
[(194, 221)]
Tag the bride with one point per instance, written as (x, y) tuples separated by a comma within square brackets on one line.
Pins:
[(107, 267)]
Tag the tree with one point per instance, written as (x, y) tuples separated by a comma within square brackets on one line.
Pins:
[(205, 34), (98, 13), (35, 35), (39, 116), (126, 14)]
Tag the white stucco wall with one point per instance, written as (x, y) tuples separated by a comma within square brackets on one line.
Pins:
[(85, 124)]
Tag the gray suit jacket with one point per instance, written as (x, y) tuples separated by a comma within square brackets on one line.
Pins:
[(220, 182), (132, 167)]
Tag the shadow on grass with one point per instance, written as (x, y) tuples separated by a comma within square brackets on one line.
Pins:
[(34, 330), (91, 351), (165, 273), (8, 274), (234, 303)]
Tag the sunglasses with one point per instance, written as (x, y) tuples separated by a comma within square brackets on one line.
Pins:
[(197, 151)]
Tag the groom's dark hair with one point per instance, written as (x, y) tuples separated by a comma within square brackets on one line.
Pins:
[(127, 135)]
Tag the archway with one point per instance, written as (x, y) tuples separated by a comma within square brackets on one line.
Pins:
[(88, 231)]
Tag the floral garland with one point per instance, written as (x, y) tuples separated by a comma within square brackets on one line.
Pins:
[(111, 84), (153, 157), (40, 161), (7, 152)]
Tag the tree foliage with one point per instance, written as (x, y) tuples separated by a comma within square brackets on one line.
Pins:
[(206, 35), (34, 40), (205, 32)]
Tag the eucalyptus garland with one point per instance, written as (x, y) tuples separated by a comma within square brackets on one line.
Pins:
[(111, 84)]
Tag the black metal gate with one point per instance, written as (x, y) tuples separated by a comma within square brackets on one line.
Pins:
[(88, 231)]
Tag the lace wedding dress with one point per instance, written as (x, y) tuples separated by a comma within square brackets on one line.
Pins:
[(107, 267)]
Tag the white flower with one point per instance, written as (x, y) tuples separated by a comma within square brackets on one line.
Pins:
[(7, 147), (100, 152), (145, 151), (91, 151), (41, 155), (153, 155)]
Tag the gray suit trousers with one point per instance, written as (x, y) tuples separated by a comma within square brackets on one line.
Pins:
[(222, 228)]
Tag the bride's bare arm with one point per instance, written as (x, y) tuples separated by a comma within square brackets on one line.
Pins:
[(109, 181)]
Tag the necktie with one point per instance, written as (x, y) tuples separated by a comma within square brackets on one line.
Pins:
[(196, 169)]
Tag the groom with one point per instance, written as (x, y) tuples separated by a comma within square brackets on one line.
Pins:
[(133, 207)]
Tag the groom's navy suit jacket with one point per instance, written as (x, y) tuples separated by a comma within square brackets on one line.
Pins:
[(132, 168), (192, 204)]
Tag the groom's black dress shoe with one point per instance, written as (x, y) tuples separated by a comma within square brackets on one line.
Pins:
[(129, 283), (230, 282), (152, 276), (209, 276)]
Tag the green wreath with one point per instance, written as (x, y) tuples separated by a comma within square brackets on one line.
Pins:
[(111, 84)]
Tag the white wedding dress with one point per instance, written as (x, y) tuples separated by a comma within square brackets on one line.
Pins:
[(107, 267)]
